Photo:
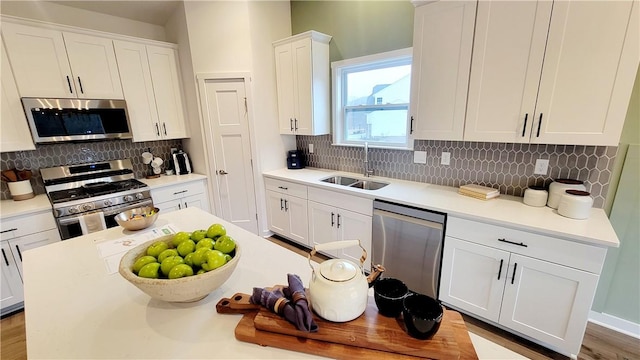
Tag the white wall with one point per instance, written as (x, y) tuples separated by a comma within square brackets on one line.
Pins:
[(65, 15), (235, 37)]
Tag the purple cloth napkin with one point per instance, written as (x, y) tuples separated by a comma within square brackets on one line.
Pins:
[(289, 302)]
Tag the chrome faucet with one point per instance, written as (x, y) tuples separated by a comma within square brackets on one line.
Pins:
[(367, 172)]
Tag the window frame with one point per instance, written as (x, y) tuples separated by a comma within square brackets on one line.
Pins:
[(338, 68)]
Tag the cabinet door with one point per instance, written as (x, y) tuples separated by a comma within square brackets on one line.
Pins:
[(194, 201), (24, 243), (473, 277), (508, 50), (39, 61), (137, 87), (302, 86), (584, 94), (285, 87), (278, 218), (168, 206), (547, 301), (442, 44), (14, 131), (296, 210), (322, 225), (11, 286), (94, 66), (354, 226), (163, 63)]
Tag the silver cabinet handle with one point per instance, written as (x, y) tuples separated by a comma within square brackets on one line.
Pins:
[(164, 126), (286, 206), (80, 83), (222, 172), (291, 123), (5, 257), (19, 252), (157, 130), (5, 231)]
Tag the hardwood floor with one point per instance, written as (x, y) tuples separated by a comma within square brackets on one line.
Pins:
[(599, 342)]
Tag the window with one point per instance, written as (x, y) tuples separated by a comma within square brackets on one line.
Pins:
[(371, 100)]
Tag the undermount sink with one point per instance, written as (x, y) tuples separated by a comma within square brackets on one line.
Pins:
[(355, 183)]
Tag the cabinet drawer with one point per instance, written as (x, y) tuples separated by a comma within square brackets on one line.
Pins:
[(285, 187), (563, 252), (25, 225), (177, 191), (343, 201)]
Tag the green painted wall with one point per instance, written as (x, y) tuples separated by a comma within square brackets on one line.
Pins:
[(358, 27)]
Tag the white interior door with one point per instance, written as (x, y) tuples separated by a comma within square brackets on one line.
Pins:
[(224, 109)]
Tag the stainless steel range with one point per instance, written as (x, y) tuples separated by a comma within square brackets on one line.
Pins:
[(79, 192)]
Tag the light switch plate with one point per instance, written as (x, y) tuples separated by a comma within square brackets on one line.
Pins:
[(310, 148), (445, 159), (542, 166), (420, 157)]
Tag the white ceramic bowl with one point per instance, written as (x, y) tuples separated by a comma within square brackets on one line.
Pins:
[(575, 204), (186, 289), (558, 187), (129, 221)]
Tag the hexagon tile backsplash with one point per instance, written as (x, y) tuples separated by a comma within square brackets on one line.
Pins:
[(79, 153), (504, 166)]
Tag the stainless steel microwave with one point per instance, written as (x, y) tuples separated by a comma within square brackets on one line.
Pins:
[(61, 120)]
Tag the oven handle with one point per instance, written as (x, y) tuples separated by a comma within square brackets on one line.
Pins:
[(76, 219)]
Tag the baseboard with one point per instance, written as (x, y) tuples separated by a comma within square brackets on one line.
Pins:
[(615, 323)]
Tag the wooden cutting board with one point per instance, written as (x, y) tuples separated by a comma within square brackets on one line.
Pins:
[(369, 335)]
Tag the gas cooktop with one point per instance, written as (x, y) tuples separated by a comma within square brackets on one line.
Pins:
[(94, 189)]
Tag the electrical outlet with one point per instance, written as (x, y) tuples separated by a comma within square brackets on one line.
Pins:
[(445, 159), (310, 148), (542, 166)]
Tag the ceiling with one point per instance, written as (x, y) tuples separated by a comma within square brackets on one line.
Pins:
[(152, 12)]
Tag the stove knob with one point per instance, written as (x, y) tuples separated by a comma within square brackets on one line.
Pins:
[(73, 210), (128, 198), (87, 207), (108, 203), (139, 196)]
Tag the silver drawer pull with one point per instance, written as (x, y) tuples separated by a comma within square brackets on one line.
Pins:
[(180, 192)]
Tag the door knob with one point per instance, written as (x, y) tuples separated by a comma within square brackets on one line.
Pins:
[(222, 172)]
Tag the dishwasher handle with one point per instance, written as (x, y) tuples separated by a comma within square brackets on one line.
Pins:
[(421, 222)]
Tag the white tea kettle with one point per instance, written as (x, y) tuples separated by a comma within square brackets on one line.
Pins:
[(339, 288)]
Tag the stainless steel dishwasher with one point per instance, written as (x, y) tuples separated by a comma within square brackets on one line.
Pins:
[(408, 241)]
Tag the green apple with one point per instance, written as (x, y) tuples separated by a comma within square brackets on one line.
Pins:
[(225, 244), (201, 271), (215, 259), (156, 248), (198, 235), (206, 243), (165, 254), (180, 237), (169, 263), (150, 271), (200, 256), (216, 230), (186, 247), (227, 257), (144, 260), (180, 270), (189, 259)]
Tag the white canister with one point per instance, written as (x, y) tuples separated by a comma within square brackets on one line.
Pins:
[(21, 190), (575, 204), (558, 187), (535, 196)]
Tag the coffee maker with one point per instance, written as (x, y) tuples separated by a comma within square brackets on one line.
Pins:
[(295, 159)]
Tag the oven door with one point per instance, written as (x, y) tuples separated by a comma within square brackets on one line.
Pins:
[(69, 226)]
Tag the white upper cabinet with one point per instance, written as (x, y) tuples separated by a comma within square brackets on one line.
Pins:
[(151, 86), (14, 131), (442, 44), (302, 81), (50, 63), (536, 75)]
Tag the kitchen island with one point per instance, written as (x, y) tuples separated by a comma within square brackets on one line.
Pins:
[(75, 309)]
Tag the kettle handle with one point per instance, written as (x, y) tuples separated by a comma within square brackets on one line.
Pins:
[(334, 245)]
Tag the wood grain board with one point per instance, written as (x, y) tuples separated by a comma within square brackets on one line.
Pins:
[(369, 335)]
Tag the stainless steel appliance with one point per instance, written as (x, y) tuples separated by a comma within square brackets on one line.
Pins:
[(408, 242), (104, 188), (181, 163), (60, 120)]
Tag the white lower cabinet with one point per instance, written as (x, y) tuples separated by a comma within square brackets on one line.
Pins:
[(20, 234), (181, 196), (288, 216), (337, 217), (502, 275)]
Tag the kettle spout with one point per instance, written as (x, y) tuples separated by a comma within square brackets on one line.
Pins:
[(375, 274)]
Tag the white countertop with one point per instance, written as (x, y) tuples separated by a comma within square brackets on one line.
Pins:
[(9, 208), (169, 180), (506, 210), (76, 310)]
